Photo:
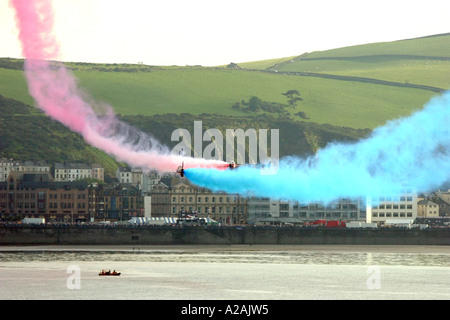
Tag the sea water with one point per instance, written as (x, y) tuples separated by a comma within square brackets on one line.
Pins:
[(225, 272)]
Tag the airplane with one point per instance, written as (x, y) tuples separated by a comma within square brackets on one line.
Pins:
[(180, 170), (231, 166)]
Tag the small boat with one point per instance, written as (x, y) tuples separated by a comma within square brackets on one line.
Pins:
[(109, 273)]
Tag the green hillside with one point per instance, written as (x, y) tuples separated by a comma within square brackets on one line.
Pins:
[(26, 134), (30, 135), (355, 104), (422, 61)]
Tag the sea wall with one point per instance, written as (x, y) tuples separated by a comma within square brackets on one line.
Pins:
[(76, 235)]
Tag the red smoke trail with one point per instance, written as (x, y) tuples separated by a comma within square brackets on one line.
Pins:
[(56, 92)]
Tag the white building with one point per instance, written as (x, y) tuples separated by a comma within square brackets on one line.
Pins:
[(78, 171), (394, 206), (427, 209), (8, 166), (151, 178), (147, 206), (265, 210), (34, 166), (147, 179), (127, 175)]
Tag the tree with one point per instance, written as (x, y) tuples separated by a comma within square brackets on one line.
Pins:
[(293, 96), (254, 104)]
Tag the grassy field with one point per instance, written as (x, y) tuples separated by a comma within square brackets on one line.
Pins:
[(424, 61), (434, 45), (201, 90), (264, 64)]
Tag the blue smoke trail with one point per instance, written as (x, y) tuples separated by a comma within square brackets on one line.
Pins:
[(411, 152)]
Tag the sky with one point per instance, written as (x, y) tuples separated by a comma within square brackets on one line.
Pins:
[(217, 32)]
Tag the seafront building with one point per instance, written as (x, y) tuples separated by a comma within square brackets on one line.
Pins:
[(78, 171), (30, 190), (26, 194), (442, 199), (38, 195), (116, 202), (61, 172), (129, 175), (174, 195), (392, 206), (270, 211), (427, 209), (8, 166), (147, 179)]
